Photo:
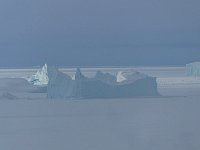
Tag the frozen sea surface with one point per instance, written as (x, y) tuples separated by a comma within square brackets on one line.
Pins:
[(29, 121), (114, 124)]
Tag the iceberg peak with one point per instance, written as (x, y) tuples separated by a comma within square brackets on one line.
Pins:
[(41, 77)]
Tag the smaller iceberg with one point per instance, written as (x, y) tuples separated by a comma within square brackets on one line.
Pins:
[(193, 69), (40, 78)]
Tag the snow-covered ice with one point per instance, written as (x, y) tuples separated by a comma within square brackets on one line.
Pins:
[(120, 77), (129, 75)]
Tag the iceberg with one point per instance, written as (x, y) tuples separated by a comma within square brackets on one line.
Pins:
[(193, 69), (102, 85), (40, 78)]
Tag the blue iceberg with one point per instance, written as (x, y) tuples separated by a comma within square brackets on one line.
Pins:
[(40, 78)]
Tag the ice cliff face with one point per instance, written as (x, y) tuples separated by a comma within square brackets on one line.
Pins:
[(193, 69), (41, 77), (60, 85), (102, 85)]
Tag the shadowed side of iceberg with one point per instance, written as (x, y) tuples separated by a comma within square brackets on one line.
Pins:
[(60, 85), (99, 89)]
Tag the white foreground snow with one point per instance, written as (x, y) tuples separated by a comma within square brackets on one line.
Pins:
[(129, 75)]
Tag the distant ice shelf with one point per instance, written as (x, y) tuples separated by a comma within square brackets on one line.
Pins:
[(178, 82), (193, 69)]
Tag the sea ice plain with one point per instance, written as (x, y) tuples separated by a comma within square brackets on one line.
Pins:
[(28, 120)]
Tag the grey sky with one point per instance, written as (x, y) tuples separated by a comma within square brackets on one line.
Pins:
[(99, 33)]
